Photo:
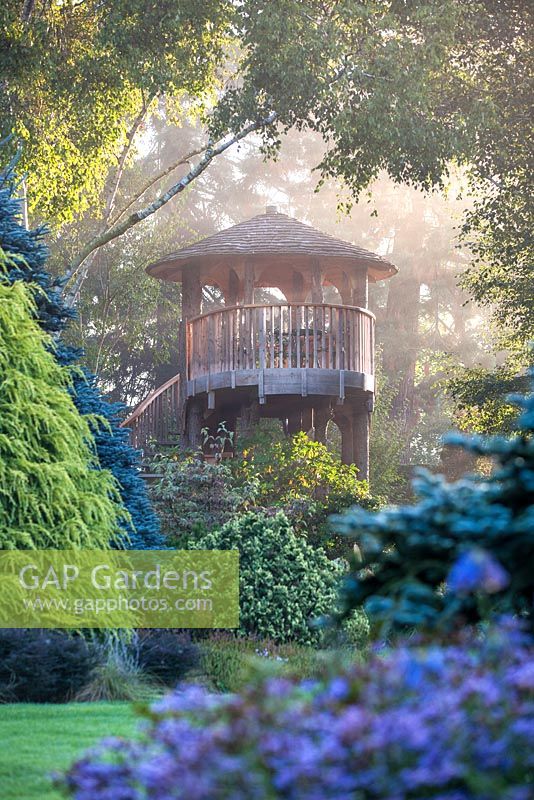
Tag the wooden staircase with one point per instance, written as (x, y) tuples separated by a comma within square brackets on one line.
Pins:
[(156, 419)]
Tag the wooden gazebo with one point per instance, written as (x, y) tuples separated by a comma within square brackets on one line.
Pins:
[(299, 359)]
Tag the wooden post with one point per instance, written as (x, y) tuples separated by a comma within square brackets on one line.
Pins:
[(360, 428), (320, 421), (316, 286), (249, 283), (195, 423), (297, 288), (232, 298), (347, 450), (360, 289), (250, 417), (191, 303)]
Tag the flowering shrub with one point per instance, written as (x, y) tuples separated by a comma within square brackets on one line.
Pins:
[(451, 722)]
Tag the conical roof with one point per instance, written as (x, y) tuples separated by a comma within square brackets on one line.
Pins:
[(271, 234)]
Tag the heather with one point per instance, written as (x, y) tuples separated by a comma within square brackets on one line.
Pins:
[(453, 721)]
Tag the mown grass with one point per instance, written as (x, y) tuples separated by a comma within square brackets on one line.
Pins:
[(38, 739)]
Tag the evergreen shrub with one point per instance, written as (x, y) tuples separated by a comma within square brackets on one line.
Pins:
[(284, 582), (464, 551), (39, 666)]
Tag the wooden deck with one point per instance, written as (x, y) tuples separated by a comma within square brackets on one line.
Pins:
[(283, 349)]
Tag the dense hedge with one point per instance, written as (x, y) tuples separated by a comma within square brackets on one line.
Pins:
[(39, 666)]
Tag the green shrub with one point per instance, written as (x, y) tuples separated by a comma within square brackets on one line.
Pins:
[(223, 662), (193, 495), (229, 662), (464, 551), (284, 582), (40, 666), (306, 481)]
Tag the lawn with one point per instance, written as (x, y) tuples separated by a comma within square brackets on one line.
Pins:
[(38, 739)]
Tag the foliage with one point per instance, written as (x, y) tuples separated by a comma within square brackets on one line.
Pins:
[(166, 655), (117, 675), (224, 662), (51, 494), (141, 530), (283, 582), (387, 442), (450, 721), (100, 66), (408, 552), (193, 496), (481, 398), (229, 661), (305, 480), (39, 666), (28, 264)]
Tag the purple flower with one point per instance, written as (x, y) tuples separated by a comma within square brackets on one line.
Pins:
[(477, 571), (412, 721)]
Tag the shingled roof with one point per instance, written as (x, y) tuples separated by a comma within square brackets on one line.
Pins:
[(275, 234)]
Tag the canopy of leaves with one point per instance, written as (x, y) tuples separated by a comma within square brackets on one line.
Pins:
[(73, 75)]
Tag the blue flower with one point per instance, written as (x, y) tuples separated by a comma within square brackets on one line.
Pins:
[(477, 571)]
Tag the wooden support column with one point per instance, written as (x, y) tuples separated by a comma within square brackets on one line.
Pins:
[(360, 429), (232, 298), (191, 304), (320, 421), (298, 294), (360, 289), (250, 417), (347, 448), (248, 298), (317, 284), (195, 423), (345, 290), (306, 420)]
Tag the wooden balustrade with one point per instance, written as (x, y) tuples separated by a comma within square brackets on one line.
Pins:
[(157, 416), (284, 336)]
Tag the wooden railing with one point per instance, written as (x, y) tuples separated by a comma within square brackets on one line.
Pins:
[(157, 416), (285, 336)]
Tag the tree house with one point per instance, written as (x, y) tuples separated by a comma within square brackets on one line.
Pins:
[(297, 357)]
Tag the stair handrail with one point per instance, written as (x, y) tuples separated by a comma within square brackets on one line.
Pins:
[(149, 400)]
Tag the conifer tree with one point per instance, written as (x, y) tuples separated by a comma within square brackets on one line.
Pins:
[(50, 493), (28, 255)]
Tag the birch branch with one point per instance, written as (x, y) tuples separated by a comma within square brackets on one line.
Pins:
[(119, 228), (149, 184), (112, 192)]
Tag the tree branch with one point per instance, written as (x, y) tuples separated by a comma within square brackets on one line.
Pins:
[(148, 185), (115, 183), (76, 268)]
